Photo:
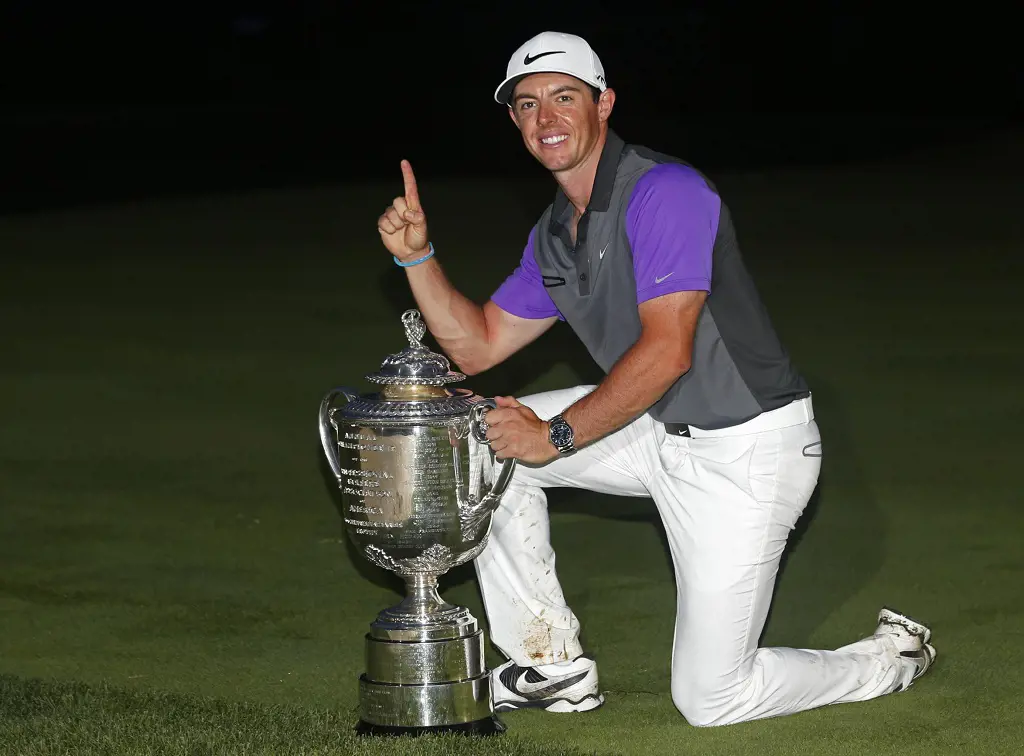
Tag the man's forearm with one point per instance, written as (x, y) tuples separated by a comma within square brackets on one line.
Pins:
[(637, 381), (457, 323)]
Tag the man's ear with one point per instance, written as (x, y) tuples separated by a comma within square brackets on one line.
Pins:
[(605, 104), (512, 115)]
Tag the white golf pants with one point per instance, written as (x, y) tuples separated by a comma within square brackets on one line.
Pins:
[(728, 503)]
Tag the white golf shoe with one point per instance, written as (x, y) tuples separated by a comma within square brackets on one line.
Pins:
[(573, 688), (911, 637)]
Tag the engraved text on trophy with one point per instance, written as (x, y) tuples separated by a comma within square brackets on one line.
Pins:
[(399, 484)]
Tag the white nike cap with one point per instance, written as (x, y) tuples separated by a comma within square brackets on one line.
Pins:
[(552, 52)]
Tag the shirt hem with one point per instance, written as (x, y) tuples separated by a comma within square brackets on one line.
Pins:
[(525, 313), (671, 287)]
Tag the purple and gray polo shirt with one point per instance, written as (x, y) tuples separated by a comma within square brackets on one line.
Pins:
[(655, 226)]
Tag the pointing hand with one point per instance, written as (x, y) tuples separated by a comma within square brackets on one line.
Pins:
[(403, 226)]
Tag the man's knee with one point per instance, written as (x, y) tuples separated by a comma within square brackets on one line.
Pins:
[(697, 707), (706, 700)]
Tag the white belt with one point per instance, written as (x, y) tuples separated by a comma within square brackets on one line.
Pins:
[(797, 412)]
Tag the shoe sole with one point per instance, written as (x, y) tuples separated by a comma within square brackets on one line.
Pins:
[(932, 656), (929, 653), (912, 626), (556, 705)]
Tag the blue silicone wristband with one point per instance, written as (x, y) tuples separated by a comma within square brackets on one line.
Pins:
[(416, 262)]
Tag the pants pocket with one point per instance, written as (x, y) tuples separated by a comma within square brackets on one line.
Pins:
[(710, 463), (763, 469)]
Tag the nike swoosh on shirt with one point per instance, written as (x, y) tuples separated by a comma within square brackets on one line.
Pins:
[(545, 688), (659, 280), (600, 255)]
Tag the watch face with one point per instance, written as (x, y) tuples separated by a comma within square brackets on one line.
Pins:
[(561, 434)]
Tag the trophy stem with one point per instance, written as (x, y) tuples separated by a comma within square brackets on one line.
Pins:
[(422, 605), (421, 597)]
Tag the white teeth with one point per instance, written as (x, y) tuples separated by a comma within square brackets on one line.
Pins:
[(555, 139)]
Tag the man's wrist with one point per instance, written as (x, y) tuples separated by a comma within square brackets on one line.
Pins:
[(552, 449), (415, 258), (561, 435)]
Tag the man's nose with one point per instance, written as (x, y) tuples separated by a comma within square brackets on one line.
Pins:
[(545, 114)]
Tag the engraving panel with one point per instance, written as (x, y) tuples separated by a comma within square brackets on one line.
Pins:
[(413, 496), (371, 497), (400, 486), (429, 480)]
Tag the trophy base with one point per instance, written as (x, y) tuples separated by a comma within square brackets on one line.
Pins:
[(425, 706), (480, 728), (425, 669)]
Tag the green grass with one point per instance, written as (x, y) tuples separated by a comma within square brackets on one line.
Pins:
[(173, 574), (72, 718)]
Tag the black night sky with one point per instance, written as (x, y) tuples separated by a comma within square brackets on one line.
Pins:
[(117, 100)]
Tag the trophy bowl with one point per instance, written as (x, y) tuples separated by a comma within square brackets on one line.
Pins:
[(418, 484)]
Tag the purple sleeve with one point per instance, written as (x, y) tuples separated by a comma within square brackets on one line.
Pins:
[(523, 293), (671, 223)]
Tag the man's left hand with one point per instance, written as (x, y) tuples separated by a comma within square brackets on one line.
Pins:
[(515, 432)]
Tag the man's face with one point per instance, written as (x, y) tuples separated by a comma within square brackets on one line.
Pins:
[(558, 118)]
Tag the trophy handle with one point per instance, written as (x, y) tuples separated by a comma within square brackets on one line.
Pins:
[(478, 427), (327, 422)]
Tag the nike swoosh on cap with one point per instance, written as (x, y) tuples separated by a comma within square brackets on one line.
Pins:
[(530, 59)]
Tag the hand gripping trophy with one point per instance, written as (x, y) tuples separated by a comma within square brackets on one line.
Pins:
[(418, 485)]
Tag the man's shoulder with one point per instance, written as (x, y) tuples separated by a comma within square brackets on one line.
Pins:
[(672, 183), (673, 177), (658, 172)]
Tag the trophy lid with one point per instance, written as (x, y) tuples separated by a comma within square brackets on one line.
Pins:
[(414, 386), (416, 365)]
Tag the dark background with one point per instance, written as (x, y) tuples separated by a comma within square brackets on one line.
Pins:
[(105, 101)]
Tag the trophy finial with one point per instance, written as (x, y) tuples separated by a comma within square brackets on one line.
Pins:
[(416, 364), (414, 328)]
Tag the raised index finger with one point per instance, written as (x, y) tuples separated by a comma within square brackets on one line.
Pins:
[(412, 194)]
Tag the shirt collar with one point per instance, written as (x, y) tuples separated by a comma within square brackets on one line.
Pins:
[(604, 183)]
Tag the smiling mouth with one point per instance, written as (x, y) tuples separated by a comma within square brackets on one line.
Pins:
[(554, 141)]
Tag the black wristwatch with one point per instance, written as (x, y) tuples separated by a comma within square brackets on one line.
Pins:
[(561, 435)]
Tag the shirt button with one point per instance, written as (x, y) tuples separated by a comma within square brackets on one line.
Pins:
[(583, 276)]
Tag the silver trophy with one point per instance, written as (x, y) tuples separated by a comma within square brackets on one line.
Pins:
[(418, 485)]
